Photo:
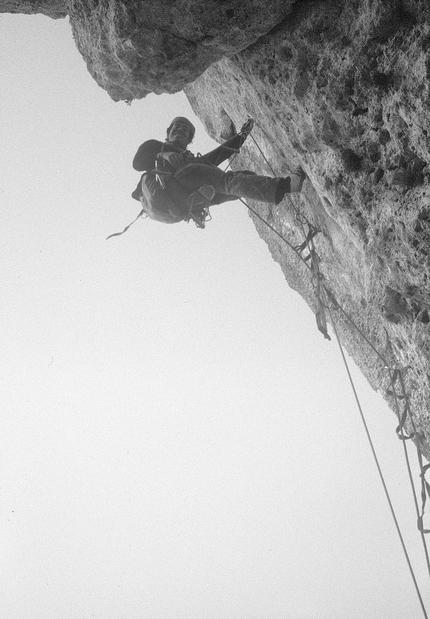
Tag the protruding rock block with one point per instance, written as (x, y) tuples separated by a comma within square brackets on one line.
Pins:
[(133, 48), (52, 8)]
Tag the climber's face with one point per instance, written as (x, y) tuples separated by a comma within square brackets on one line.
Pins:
[(180, 133)]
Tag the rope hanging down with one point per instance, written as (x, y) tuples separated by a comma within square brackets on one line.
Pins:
[(326, 300), (381, 476)]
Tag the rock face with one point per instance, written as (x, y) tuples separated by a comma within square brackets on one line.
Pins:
[(343, 89), (52, 8), (134, 47)]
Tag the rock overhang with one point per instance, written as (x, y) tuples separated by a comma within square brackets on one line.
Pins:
[(133, 48)]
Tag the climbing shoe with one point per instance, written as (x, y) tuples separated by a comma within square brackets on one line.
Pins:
[(290, 184)]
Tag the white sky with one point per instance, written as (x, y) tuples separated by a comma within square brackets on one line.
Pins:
[(177, 439)]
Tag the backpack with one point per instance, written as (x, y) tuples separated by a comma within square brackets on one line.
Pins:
[(156, 201)]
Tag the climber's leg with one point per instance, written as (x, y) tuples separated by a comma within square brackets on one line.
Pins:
[(242, 184)]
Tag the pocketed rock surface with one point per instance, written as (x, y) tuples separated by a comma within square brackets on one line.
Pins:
[(134, 47), (55, 9), (343, 90)]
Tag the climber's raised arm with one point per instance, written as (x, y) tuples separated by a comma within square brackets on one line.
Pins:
[(232, 145)]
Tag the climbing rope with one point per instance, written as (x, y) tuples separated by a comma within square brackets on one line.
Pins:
[(326, 300), (378, 466)]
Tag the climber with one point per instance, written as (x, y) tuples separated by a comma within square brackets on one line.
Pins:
[(171, 174)]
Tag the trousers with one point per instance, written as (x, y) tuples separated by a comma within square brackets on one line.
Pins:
[(228, 185)]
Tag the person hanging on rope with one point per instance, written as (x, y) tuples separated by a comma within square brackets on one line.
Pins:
[(171, 174)]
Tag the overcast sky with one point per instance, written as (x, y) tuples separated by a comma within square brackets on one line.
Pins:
[(178, 441)]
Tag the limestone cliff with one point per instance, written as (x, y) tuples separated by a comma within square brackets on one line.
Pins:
[(134, 47), (342, 87)]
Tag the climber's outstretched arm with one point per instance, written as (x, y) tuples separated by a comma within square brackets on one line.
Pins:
[(224, 152)]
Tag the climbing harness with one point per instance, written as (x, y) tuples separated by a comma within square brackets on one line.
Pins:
[(199, 202)]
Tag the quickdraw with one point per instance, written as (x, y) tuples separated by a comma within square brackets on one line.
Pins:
[(199, 202), (397, 378)]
